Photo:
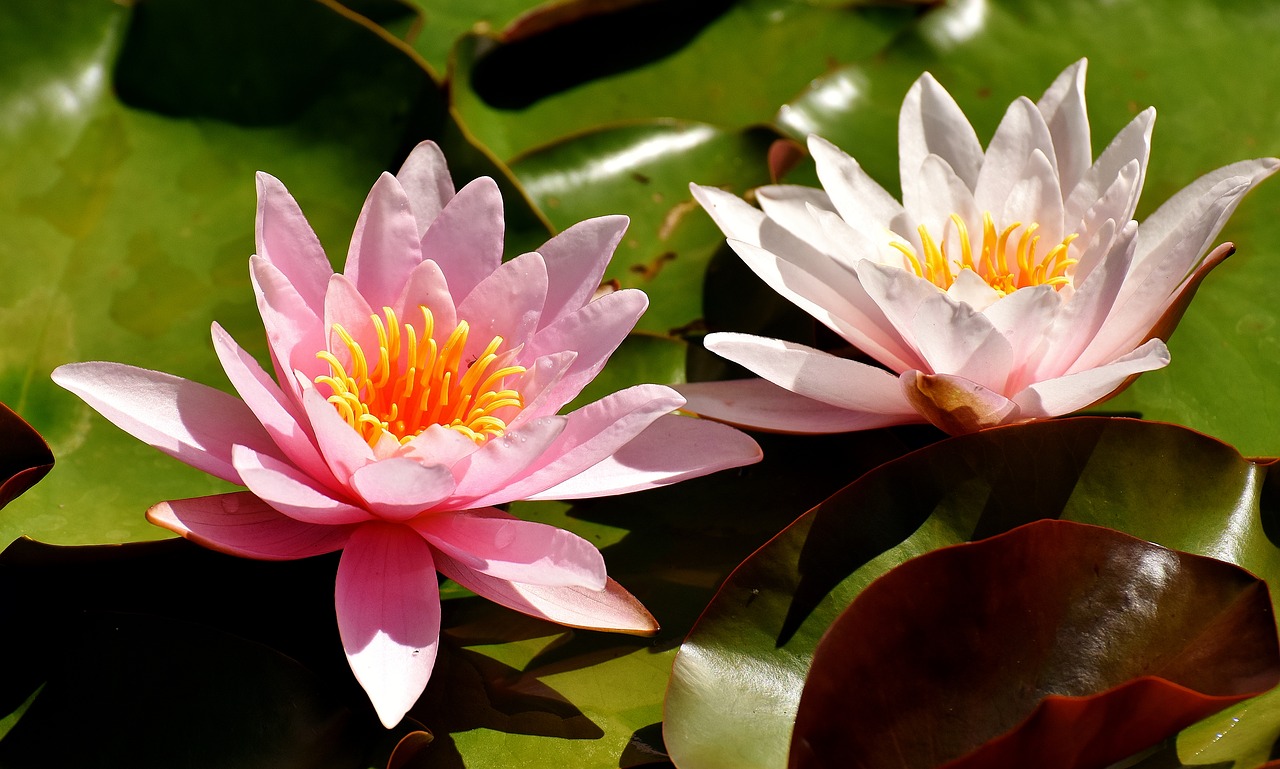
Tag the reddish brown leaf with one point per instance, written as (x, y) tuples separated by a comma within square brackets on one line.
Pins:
[(24, 456), (1058, 644)]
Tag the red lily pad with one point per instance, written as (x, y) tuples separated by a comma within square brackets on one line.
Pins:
[(1070, 644), (24, 456)]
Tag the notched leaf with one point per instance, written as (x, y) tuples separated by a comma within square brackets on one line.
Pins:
[(1058, 644)]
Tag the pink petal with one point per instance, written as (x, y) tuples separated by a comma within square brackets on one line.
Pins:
[(506, 303), (426, 182), (762, 405), (1080, 320), (286, 240), (400, 488), (1185, 216), (610, 609), (840, 301), (1073, 392), (385, 244), (1168, 253), (388, 607), (735, 217), (672, 449), (341, 446), (1021, 132), (505, 547), (812, 373), (576, 260), (240, 524), (539, 383), (294, 330), (956, 405), (940, 194), (789, 205), (855, 195), (593, 332), (1024, 318), (466, 238), (439, 445), (594, 432), (1133, 143), (488, 470), (279, 415), (1114, 210), (426, 287), (931, 123), (897, 294), (954, 339), (1063, 108), (191, 422), (971, 289), (291, 491), (345, 306), (1036, 197)]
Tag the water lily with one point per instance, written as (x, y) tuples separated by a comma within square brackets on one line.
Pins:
[(1008, 285), (413, 393)]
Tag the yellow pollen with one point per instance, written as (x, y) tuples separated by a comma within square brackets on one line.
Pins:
[(1006, 263), (416, 383)]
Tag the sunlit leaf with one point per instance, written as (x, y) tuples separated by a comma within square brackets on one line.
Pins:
[(738, 676), (1056, 643)]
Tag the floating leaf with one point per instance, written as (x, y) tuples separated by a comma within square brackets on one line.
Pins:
[(738, 677), (1060, 644)]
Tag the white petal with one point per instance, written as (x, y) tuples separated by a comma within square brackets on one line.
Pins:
[(763, 405), (1073, 392), (1132, 143), (931, 123), (1064, 112), (812, 373), (1021, 132), (855, 195)]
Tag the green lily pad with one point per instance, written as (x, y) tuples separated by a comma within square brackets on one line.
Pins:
[(738, 677), (644, 169), (1055, 643), (735, 62)]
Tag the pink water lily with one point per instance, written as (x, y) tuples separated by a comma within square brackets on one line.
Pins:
[(1008, 285), (413, 393)]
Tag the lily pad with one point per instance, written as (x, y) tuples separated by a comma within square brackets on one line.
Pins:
[(1056, 643), (737, 680), (619, 67), (644, 169)]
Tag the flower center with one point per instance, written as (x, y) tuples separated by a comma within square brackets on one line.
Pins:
[(1005, 263), (415, 384)]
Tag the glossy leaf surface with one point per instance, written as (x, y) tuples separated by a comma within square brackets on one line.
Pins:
[(742, 668), (1056, 643)]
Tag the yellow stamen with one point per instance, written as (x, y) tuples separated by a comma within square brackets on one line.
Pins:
[(1004, 271), (415, 383)]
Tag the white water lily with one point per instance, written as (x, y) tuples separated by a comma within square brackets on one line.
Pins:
[(1008, 285)]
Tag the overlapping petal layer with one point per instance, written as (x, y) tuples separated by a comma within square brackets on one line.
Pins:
[(412, 393), (1009, 284)]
